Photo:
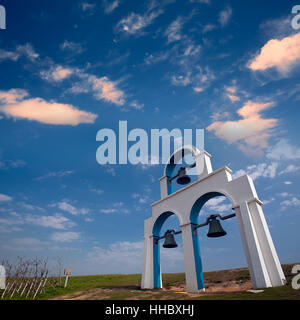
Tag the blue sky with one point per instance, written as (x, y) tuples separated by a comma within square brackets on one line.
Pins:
[(71, 68)]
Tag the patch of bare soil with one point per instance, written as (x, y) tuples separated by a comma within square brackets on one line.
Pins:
[(216, 282)]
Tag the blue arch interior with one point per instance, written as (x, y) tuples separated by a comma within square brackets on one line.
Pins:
[(196, 245), (170, 169), (156, 252)]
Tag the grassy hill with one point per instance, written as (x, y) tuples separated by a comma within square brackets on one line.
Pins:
[(225, 284)]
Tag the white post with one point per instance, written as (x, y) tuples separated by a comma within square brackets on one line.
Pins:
[(256, 263), (147, 276), (66, 281), (267, 246)]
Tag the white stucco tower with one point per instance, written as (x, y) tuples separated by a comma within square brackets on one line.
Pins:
[(186, 203)]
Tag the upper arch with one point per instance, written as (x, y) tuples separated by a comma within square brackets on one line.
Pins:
[(170, 165)]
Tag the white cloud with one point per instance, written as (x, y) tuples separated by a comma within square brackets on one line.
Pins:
[(37, 109), (283, 150), (250, 133), (280, 54), (259, 170), (67, 236), (117, 207), (56, 222), (105, 89), (9, 55), (7, 164), (209, 27), (111, 171), (65, 206), (289, 169), (87, 7), (135, 23), (284, 194), (57, 74), (108, 211), (289, 203), (198, 89), (110, 5), (225, 16), (26, 51), (288, 182), (55, 174), (4, 197), (217, 205), (136, 105), (173, 32), (73, 47)]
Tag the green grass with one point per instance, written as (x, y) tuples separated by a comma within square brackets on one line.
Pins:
[(127, 286)]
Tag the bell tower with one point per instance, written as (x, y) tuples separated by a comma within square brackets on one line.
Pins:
[(186, 203)]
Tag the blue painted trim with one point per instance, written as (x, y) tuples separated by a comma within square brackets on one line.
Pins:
[(170, 170), (196, 245), (156, 252), (198, 260)]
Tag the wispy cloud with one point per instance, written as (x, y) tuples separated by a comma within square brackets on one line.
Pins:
[(105, 89), (173, 32), (258, 170), (7, 164), (67, 236), (225, 16), (230, 92), (55, 174), (283, 150), (135, 23), (26, 51), (110, 5), (292, 202), (73, 47), (56, 221), (65, 206), (57, 74), (4, 197), (290, 169), (87, 7)]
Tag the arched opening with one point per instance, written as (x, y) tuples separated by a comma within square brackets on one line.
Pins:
[(216, 250), (187, 157), (166, 221)]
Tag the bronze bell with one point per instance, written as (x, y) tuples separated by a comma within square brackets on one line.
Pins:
[(170, 241), (215, 229), (183, 178)]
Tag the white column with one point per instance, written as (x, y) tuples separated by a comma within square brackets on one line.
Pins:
[(203, 164), (189, 259), (266, 243), (255, 259), (147, 276), (163, 187)]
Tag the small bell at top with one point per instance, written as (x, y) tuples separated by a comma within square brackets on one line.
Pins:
[(183, 178)]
